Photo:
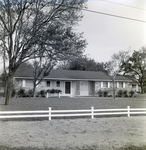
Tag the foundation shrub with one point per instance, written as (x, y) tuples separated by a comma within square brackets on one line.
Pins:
[(58, 91), (100, 93), (43, 93), (21, 92), (131, 93), (29, 93), (105, 93), (53, 91), (125, 93), (120, 93), (13, 92)]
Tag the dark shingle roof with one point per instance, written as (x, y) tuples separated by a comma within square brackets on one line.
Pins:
[(70, 74), (74, 74), (65, 74), (121, 78)]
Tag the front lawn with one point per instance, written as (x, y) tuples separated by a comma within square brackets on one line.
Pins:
[(106, 133), (72, 103)]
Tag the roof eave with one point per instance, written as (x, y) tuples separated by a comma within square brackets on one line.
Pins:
[(71, 79)]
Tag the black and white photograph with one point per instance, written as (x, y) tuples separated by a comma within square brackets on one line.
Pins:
[(72, 75)]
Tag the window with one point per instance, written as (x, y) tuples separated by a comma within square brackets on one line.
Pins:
[(29, 83), (105, 84), (120, 84), (58, 83), (133, 85), (48, 83)]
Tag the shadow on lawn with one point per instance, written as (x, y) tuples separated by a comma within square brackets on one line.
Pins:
[(133, 148)]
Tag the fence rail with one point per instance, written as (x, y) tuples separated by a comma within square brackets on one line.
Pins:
[(71, 113)]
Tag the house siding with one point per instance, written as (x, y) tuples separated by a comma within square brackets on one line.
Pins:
[(42, 86), (97, 87), (84, 88), (73, 87), (78, 88), (17, 83), (109, 88), (91, 86), (77, 91)]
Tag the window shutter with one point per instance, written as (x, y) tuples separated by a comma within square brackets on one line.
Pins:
[(101, 84), (23, 83), (117, 84), (123, 84), (108, 84)]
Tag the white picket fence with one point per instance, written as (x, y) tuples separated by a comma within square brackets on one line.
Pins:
[(71, 113)]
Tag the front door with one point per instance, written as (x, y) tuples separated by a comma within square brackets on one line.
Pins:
[(67, 87)]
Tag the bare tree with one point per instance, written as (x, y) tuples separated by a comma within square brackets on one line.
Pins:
[(61, 43), (114, 66), (22, 23)]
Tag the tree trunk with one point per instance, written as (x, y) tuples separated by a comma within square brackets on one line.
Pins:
[(33, 92), (8, 89), (114, 95), (34, 88), (142, 88)]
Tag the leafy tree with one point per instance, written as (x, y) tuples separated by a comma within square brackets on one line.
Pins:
[(135, 66), (113, 67), (26, 26), (82, 63)]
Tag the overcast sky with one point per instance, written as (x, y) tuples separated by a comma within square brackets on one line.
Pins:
[(106, 34)]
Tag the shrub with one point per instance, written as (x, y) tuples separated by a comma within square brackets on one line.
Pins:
[(110, 95), (125, 93), (120, 93), (58, 91), (42, 93), (100, 93), (48, 91), (105, 93), (13, 92), (21, 92), (29, 93), (53, 91), (131, 93)]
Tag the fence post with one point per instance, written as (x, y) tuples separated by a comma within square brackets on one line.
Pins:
[(128, 109), (92, 112), (50, 113)]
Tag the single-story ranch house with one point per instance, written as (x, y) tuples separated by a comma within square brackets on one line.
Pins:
[(74, 83)]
